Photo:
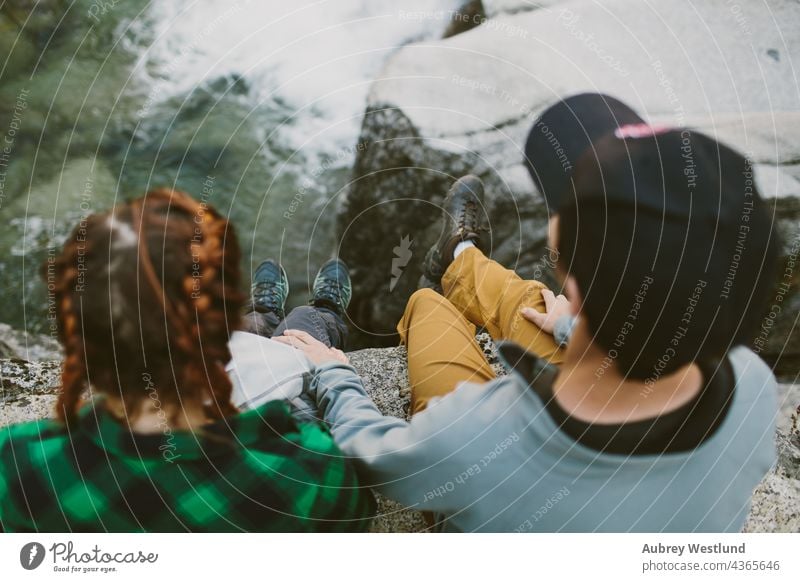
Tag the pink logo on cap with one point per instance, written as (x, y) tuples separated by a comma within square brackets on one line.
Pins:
[(637, 130)]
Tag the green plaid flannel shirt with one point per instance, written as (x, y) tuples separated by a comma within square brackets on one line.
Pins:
[(260, 470)]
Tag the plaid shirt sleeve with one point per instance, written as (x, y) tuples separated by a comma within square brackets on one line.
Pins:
[(258, 471)]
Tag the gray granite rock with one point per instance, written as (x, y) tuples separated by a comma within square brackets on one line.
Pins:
[(21, 344), (27, 389), (776, 503), (385, 379)]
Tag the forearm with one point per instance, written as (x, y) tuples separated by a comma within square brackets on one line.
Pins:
[(351, 414), (387, 450)]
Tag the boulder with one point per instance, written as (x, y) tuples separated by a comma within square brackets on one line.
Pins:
[(465, 104), (15, 344), (776, 502)]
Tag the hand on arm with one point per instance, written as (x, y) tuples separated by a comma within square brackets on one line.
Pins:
[(315, 350), (556, 306), (358, 427), (403, 460)]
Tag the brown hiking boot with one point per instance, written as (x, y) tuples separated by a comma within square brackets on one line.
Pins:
[(462, 211)]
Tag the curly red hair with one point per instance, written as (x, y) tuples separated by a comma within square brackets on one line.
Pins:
[(146, 297)]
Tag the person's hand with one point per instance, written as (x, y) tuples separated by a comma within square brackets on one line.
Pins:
[(315, 350), (555, 307)]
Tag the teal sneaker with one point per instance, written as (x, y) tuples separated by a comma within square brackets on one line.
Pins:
[(270, 288), (332, 287)]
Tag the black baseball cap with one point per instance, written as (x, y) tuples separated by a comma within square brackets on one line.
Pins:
[(660, 222), (564, 132)]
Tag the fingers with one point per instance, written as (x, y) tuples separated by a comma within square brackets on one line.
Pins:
[(302, 336), (290, 341), (554, 306), (549, 299), (534, 316), (298, 334), (562, 306), (316, 351)]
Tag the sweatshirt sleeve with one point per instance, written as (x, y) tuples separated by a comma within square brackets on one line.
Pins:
[(411, 462)]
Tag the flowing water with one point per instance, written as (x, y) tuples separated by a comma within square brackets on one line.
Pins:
[(253, 106)]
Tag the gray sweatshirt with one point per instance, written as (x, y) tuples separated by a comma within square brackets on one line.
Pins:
[(488, 457)]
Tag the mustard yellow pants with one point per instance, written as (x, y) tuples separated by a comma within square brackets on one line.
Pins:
[(439, 331)]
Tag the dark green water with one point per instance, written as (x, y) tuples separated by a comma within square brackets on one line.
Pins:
[(80, 130)]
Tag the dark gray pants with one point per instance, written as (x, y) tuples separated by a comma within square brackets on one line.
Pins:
[(323, 324)]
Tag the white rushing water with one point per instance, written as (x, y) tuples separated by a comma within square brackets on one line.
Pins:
[(159, 109), (318, 57)]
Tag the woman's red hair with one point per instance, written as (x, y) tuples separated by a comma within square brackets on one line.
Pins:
[(146, 296)]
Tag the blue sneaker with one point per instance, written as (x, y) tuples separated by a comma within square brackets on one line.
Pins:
[(270, 288), (332, 287)]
